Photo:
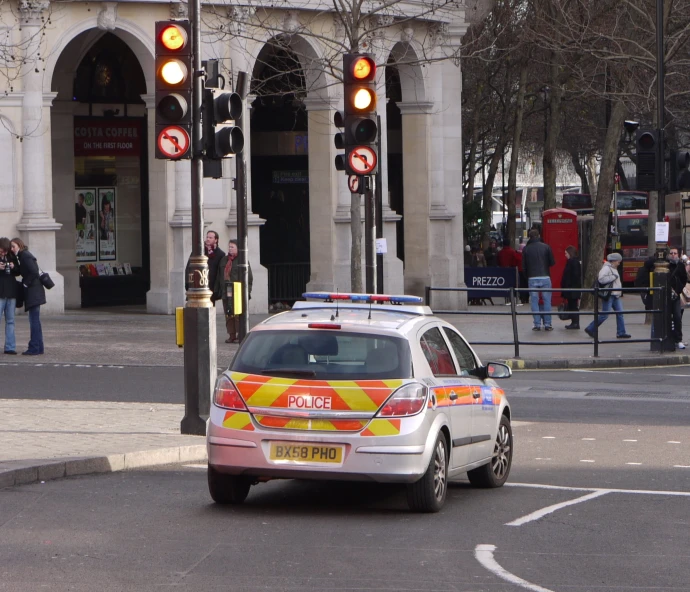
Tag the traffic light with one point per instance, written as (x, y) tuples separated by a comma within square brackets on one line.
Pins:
[(358, 118), (679, 177), (647, 145), (222, 137), (173, 89)]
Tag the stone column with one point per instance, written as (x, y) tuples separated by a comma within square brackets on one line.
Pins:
[(417, 165), (324, 186), (37, 225), (163, 258)]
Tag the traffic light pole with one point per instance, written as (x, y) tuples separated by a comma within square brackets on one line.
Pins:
[(199, 312), (370, 238), (378, 192), (242, 229)]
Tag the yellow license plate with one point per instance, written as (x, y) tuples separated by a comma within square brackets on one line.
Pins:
[(305, 453)]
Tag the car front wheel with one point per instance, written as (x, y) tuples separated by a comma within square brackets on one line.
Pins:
[(227, 489), (495, 472), (429, 493)]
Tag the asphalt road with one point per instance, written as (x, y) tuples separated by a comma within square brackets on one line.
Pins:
[(598, 500)]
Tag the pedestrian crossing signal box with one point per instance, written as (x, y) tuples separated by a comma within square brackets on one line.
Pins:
[(559, 231)]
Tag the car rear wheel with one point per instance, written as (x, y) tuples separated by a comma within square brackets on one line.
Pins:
[(429, 493), (227, 489), (495, 472)]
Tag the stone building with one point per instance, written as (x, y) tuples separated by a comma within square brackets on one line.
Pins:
[(82, 188)]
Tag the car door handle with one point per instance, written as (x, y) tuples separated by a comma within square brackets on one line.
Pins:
[(476, 394), (453, 396)]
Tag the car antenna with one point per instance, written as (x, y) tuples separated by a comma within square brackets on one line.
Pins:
[(333, 318), (371, 303)]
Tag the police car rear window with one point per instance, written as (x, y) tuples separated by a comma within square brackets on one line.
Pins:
[(327, 355)]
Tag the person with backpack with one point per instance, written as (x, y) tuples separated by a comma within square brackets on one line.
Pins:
[(610, 293)]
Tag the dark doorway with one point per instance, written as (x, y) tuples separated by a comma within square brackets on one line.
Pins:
[(111, 168), (280, 171), (395, 160)]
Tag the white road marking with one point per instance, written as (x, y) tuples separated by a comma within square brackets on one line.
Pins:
[(587, 460), (633, 464), (196, 466), (629, 440), (550, 509), (485, 555), (548, 437), (672, 442), (589, 439), (681, 466)]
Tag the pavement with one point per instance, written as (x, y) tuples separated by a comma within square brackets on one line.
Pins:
[(43, 440)]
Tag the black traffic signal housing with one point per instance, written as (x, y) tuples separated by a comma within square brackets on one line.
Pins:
[(222, 111), (174, 80), (679, 175), (358, 119), (648, 160)]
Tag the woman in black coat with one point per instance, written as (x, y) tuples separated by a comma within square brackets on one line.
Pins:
[(34, 294), (571, 283)]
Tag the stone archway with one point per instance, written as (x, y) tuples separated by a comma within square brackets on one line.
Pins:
[(100, 88)]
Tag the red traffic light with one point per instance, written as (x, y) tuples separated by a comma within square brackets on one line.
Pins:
[(173, 37), (646, 141), (363, 69)]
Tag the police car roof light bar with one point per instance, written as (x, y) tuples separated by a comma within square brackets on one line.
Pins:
[(364, 298)]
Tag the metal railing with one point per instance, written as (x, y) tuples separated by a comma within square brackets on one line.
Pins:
[(287, 281), (513, 294)]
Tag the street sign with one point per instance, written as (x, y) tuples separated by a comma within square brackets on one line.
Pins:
[(353, 182), (173, 142), (362, 160)]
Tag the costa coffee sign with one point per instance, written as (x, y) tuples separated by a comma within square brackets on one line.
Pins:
[(107, 137)]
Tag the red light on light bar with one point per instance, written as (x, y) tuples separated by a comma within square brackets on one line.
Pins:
[(323, 326)]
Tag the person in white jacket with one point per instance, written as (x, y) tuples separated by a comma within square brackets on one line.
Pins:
[(608, 275)]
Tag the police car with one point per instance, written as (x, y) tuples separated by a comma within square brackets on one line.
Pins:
[(358, 387)]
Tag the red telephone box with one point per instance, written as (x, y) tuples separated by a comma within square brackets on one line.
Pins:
[(558, 230)]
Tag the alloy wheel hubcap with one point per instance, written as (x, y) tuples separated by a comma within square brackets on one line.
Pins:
[(501, 456), (440, 471)]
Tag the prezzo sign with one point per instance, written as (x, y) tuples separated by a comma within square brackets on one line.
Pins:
[(490, 277), (96, 136)]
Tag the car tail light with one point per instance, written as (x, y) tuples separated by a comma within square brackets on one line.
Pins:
[(407, 400), (227, 396)]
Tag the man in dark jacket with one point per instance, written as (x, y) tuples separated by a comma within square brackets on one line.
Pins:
[(537, 260), (214, 254), (491, 254), (9, 270), (679, 278), (642, 280)]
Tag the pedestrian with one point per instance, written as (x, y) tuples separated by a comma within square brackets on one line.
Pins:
[(9, 288), (478, 258), (537, 260), (678, 280), (571, 283), (643, 280), (610, 279), (34, 294), (508, 257), (491, 254), (214, 254), (224, 289)]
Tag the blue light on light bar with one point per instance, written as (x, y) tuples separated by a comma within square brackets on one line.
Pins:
[(366, 298)]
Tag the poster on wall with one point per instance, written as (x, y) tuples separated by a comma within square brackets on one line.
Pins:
[(85, 224), (106, 224)]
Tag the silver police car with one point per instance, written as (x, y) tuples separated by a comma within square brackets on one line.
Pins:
[(358, 387)]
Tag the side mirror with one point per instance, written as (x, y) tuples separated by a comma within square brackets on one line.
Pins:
[(498, 370)]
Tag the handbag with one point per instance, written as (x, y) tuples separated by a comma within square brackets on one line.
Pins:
[(46, 280), (562, 313), (685, 296)]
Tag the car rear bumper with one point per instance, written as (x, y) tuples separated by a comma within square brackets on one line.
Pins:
[(393, 459)]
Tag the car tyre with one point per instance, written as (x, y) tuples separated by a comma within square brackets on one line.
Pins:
[(429, 493), (227, 489), (495, 472)]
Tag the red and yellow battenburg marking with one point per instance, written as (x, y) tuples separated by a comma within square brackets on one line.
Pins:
[(382, 427), (238, 420), (345, 395), (442, 393)]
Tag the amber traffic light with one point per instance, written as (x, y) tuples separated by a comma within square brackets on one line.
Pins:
[(358, 119), (173, 89)]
